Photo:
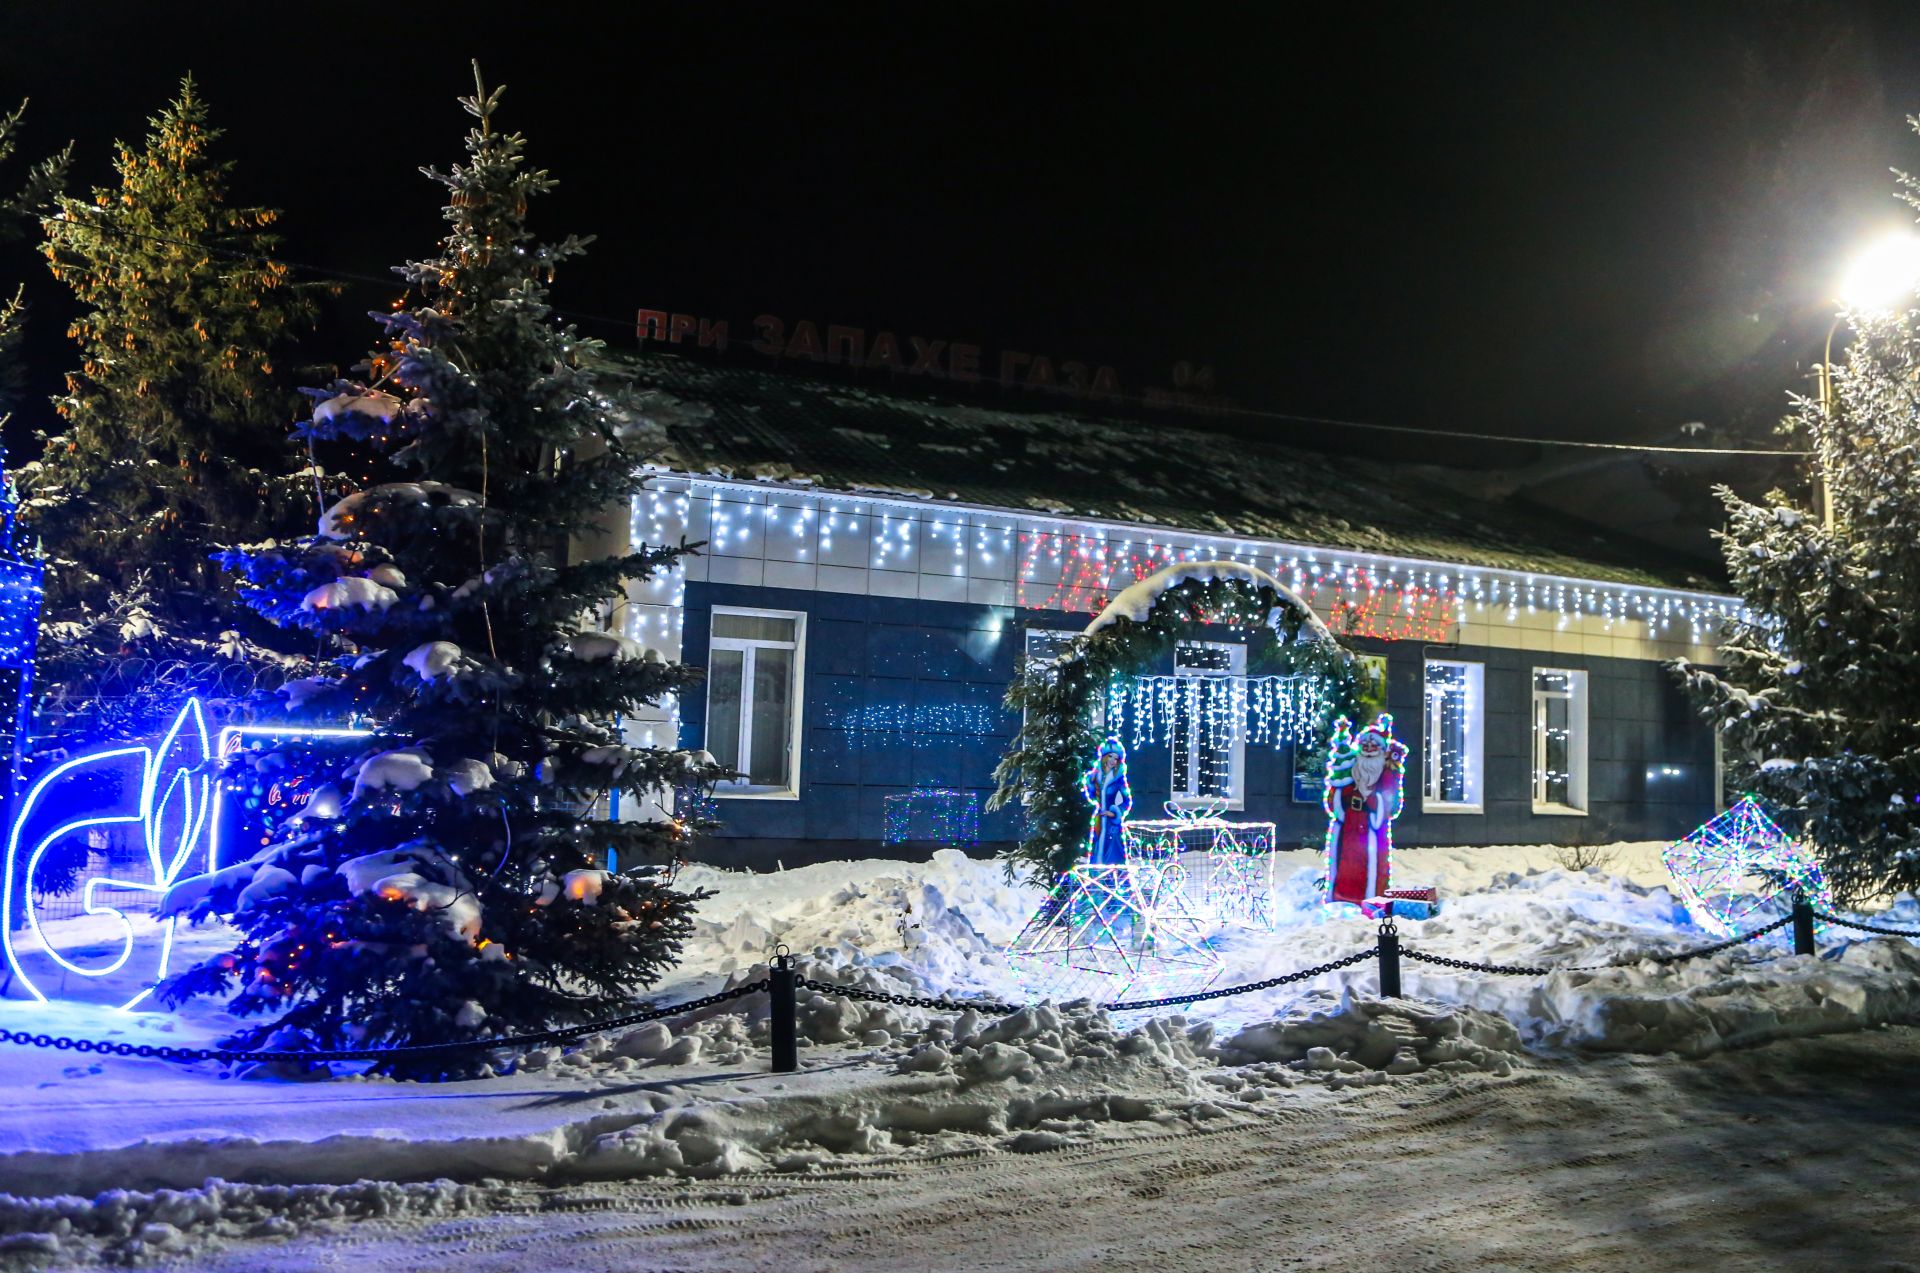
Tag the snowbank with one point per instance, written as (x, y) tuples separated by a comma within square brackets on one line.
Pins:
[(691, 1096)]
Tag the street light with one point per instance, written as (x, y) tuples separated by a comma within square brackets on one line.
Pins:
[(1882, 277)]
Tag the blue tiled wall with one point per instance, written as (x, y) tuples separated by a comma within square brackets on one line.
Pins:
[(907, 693)]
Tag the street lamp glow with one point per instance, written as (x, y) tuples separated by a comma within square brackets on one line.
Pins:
[(1884, 276)]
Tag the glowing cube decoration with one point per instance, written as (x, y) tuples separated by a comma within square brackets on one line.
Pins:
[(1740, 871)]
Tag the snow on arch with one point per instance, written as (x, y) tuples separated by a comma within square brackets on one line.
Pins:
[(1137, 600)]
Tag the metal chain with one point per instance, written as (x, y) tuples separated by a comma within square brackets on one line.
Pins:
[(1528, 970), (1505, 970), (228, 1056), (1303, 975), (566, 1034), (1120, 1005), (908, 1001), (1866, 928), (1738, 939)]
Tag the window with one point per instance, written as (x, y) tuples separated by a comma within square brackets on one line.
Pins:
[(1559, 741), (753, 699), (1209, 743), (1048, 643), (1453, 739)]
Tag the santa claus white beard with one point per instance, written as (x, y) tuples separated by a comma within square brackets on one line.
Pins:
[(1367, 771)]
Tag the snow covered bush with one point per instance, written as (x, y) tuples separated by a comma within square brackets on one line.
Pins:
[(447, 880)]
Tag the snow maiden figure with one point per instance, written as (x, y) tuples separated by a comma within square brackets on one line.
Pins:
[(1106, 788), (1363, 796)]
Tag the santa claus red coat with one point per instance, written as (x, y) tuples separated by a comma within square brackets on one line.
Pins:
[(1362, 801)]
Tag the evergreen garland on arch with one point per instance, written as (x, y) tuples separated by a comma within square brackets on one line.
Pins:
[(1041, 772)]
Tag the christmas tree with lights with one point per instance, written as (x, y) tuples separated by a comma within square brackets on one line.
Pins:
[(448, 879), (175, 437), (1819, 696)]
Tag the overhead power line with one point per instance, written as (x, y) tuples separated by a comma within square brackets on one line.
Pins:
[(348, 276)]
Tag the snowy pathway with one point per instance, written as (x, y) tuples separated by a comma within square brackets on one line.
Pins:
[(1802, 1155)]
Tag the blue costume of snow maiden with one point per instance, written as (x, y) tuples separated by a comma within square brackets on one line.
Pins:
[(1112, 799)]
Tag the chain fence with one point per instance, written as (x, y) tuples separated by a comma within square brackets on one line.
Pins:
[(1658, 957), (233, 1056), (783, 980), (1865, 928)]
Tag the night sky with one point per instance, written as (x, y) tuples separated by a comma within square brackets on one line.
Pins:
[(1597, 221)]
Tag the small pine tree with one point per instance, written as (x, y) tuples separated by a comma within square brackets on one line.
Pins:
[(1819, 696), (455, 884), (176, 420)]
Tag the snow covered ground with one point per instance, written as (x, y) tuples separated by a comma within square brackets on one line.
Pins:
[(104, 1156)]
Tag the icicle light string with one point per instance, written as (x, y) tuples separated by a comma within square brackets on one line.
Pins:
[(1275, 710), (1078, 569)]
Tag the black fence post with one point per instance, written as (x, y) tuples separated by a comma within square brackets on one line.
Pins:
[(780, 1022), (1389, 960), (1803, 925)]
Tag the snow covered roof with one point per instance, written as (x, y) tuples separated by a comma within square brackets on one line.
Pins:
[(1007, 450)]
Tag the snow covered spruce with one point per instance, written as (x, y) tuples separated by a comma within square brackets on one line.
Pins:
[(173, 436), (447, 879)]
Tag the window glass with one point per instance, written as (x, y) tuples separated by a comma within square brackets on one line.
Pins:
[(1208, 736), (752, 627), (753, 700), (1559, 740), (1452, 735), (724, 683), (772, 710)]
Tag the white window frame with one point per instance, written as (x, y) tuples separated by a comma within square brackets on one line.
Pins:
[(742, 789), (1182, 785), (1052, 639), (1475, 743), (1576, 698)]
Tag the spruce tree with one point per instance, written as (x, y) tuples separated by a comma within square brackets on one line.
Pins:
[(449, 880), (176, 420), (1819, 694)]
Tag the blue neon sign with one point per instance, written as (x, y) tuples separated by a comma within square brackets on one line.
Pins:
[(171, 792)]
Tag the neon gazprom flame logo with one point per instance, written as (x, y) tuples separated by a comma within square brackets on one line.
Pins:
[(162, 793)]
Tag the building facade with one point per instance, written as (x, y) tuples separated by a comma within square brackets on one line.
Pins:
[(859, 644)]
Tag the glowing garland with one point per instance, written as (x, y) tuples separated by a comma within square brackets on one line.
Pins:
[(169, 791), (1057, 698), (1075, 564), (1740, 869), (1226, 869), (1452, 777), (1106, 931), (1276, 710), (954, 817)]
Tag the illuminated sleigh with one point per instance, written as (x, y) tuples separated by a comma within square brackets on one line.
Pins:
[(1225, 870)]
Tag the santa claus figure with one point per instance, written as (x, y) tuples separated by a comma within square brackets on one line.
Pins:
[(1364, 794)]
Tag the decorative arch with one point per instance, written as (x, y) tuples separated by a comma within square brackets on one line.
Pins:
[(1041, 771)]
